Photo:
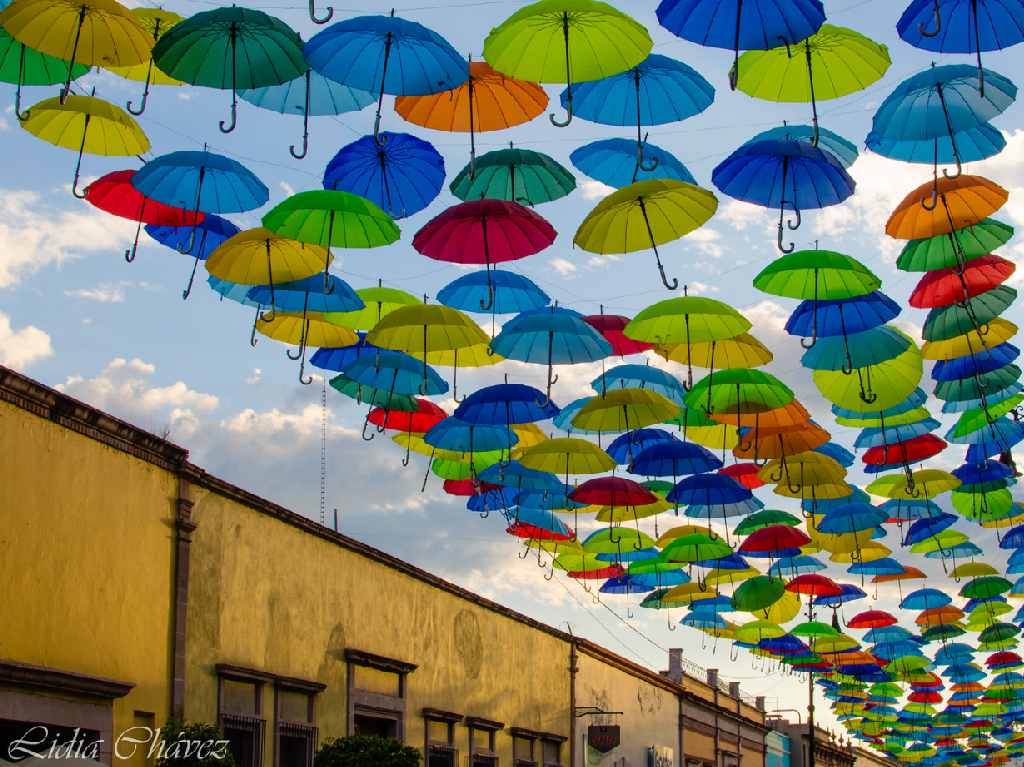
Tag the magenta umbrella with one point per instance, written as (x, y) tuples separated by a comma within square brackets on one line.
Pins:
[(484, 232)]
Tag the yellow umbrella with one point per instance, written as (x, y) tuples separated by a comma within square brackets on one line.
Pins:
[(999, 331), (477, 356), (743, 351), (85, 124), (868, 552), (808, 468), (304, 330), (899, 377), (756, 631), (685, 593), (567, 455), (260, 257), (972, 570), (782, 610), (156, 21), (101, 33), (621, 410), (678, 532), (923, 484), (644, 215), (529, 435), (612, 514)]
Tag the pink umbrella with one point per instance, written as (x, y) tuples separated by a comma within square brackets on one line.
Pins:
[(484, 232)]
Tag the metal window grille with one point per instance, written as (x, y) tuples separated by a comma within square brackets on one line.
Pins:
[(250, 727)]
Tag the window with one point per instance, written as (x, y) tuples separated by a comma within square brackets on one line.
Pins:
[(294, 723), (523, 742), (240, 703), (482, 733), (552, 753), (439, 748), (379, 725), (376, 694)]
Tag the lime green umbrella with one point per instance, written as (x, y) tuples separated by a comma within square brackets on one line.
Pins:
[(984, 506), (697, 547), (231, 47), (813, 630), (758, 593), (955, 248), (517, 175), (974, 420), (766, 518), (566, 41), (985, 587), (615, 540), (330, 218), (22, 65), (757, 631), (685, 321), (831, 63), (380, 302), (899, 377), (739, 391)]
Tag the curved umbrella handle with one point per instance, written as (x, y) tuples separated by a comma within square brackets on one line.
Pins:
[(145, 93), (937, 15), (320, 19), (129, 253), (799, 220), (192, 278), (809, 344), (252, 333), (779, 244), (847, 368), (22, 116), (568, 78), (568, 111), (648, 166), (931, 203), (305, 141), (366, 422), (227, 127)]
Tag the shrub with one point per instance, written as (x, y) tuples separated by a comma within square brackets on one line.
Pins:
[(192, 744), (366, 751)]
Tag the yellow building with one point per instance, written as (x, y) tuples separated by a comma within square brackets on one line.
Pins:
[(138, 587)]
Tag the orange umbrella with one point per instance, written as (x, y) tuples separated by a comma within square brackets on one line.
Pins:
[(793, 414), (487, 101), (908, 574), (939, 616), (779, 443), (965, 201)]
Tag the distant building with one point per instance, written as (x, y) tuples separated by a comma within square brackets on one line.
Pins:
[(776, 749), (828, 750)]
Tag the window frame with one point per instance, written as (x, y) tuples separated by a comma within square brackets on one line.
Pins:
[(447, 718), (478, 726), (375, 704), (309, 728)]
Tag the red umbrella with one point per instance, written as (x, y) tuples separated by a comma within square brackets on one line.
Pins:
[(910, 451), (871, 619), (613, 491), (611, 326), (814, 585), (466, 487), (420, 421), (944, 287), (1004, 658), (524, 530), (925, 697), (773, 538), (114, 194), (745, 474), (484, 232), (603, 573)]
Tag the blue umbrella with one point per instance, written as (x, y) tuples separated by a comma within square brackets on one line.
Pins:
[(505, 404), (887, 635), (630, 376), (492, 499), (791, 567), (337, 359), (708, 490), (311, 94), (703, 621), (913, 401), (993, 439), (545, 520), (824, 505), (719, 604), (839, 318), (513, 293), (613, 162), (656, 91), (958, 26), (844, 150), (233, 291), (457, 435), (386, 54), (780, 173), (980, 362), (963, 406), (851, 518), (837, 453), (623, 447), (550, 335), (402, 174), (673, 459), (213, 230), (395, 373), (513, 474), (968, 145), (987, 471), (890, 435), (626, 584), (201, 181), (850, 593), (923, 529), (724, 510), (563, 420), (741, 25), (308, 295)]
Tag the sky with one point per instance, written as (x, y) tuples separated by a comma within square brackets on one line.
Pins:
[(74, 314)]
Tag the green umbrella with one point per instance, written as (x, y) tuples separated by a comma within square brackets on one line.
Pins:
[(236, 48), (697, 547), (369, 395), (22, 65), (961, 389), (941, 252), (566, 41), (998, 632), (816, 275), (739, 391), (985, 587), (658, 486), (332, 218), (758, 593), (831, 63), (973, 420), (380, 302), (518, 175), (766, 518), (615, 540), (813, 630), (958, 319), (983, 505)]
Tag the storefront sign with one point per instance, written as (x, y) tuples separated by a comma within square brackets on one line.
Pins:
[(603, 737)]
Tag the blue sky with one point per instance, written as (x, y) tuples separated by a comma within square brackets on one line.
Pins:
[(74, 314)]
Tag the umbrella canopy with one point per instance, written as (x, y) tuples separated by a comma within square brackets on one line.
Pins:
[(513, 293), (843, 317), (231, 48), (742, 351), (831, 63), (781, 173), (87, 125), (566, 41), (398, 172), (955, 247), (612, 327), (380, 302), (505, 404), (21, 65), (620, 410), (213, 231), (613, 162), (645, 215), (516, 175), (945, 205), (736, 26), (944, 287), (260, 257), (673, 459)]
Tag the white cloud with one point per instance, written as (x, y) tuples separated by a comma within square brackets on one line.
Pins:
[(101, 294), (741, 215), (255, 377), (707, 241), (767, 316), (595, 190), (563, 266), (20, 348), (34, 235), (696, 288), (277, 430)]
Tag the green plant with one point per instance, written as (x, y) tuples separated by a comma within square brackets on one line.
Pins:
[(191, 744), (366, 751)]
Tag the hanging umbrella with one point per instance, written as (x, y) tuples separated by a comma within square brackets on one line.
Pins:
[(337, 359), (513, 293), (740, 25), (85, 124), (21, 65), (213, 232), (612, 327), (644, 215), (307, 95), (640, 377), (202, 181), (566, 41), (739, 392), (832, 63), (966, 200), (844, 150), (328, 218), (92, 32), (951, 26), (486, 101), (380, 302), (742, 351), (231, 48), (673, 459), (156, 21), (944, 287), (516, 175), (774, 174), (484, 232), (620, 410), (613, 162), (114, 194), (656, 91), (506, 404), (304, 330), (397, 374), (386, 54), (368, 395), (625, 446), (615, 493), (857, 391), (843, 317), (551, 336), (951, 249), (402, 174), (856, 350)]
